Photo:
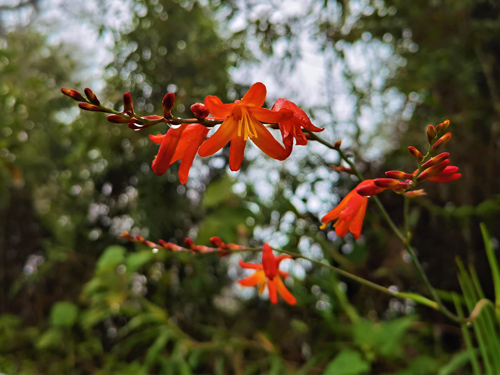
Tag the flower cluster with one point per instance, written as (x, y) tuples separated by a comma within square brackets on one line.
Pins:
[(239, 122), (350, 212)]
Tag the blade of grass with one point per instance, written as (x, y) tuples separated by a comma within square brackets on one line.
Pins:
[(488, 323), (470, 300), (495, 271), (467, 337)]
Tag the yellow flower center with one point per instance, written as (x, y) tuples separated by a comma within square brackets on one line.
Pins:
[(246, 123)]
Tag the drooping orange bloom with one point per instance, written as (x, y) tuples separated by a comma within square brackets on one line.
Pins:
[(178, 144), (244, 120), (351, 210), (269, 272), (292, 128)]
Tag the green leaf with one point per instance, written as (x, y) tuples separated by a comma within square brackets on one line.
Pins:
[(219, 191), (51, 338), (112, 257), (348, 362), (137, 260), (155, 349), (457, 361), (422, 365), (383, 338), (63, 314)]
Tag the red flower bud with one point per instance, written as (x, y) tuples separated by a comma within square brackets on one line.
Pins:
[(415, 193), (387, 183), (435, 160), (441, 128), (190, 244), (117, 119), (417, 155), (168, 104), (128, 104), (218, 243), (433, 171), (369, 190), (398, 174), (431, 133), (90, 107), (442, 141), (199, 110), (337, 144), (73, 94), (153, 118), (91, 96), (447, 175), (343, 169), (170, 246)]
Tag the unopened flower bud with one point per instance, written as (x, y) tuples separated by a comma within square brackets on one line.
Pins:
[(398, 174), (387, 183), (417, 155), (128, 104), (73, 94), (431, 133), (217, 242), (199, 110), (168, 104), (117, 119), (341, 168), (337, 144), (441, 128), (90, 107), (434, 170), (442, 141), (436, 160), (369, 190), (91, 96), (415, 193), (190, 244)]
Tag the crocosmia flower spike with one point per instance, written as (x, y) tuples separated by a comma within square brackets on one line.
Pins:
[(269, 272), (178, 144), (243, 121), (350, 212)]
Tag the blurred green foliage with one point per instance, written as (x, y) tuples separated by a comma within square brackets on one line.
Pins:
[(75, 299)]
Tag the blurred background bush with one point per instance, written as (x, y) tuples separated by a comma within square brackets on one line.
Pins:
[(76, 299)]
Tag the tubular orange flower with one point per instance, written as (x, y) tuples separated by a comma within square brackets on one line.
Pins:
[(292, 128), (178, 144), (244, 120), (269, 271), (351, 210)]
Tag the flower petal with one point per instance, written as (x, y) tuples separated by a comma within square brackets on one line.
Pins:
[(251, 266), (268, 144), (357, 221), (219, 139), (266, 115), (156, 138), (188, 146), (271, 286), (236, 153), (167, 150), (217, 108), (256, 95), (283, 291), (257, 278)]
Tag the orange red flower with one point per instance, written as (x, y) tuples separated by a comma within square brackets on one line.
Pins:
[(269, 273), (350, 212), (178, 144), (292, 127), (243, 121)]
